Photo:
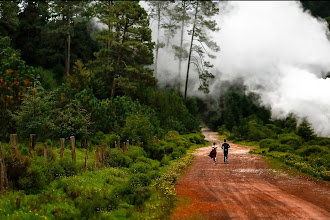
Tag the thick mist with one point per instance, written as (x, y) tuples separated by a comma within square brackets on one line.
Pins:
[(279, 51)]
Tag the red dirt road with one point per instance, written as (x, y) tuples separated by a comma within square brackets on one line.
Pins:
[(246, 189)]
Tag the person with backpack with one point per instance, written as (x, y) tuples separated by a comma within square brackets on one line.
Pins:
[(225, 146), (213, 153)]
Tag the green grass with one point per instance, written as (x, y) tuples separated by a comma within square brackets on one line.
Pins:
[(107, 193), (292, 164)]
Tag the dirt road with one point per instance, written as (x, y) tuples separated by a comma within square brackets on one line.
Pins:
[(246, 189)]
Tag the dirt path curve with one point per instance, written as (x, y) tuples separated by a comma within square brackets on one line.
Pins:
[(246, 189)]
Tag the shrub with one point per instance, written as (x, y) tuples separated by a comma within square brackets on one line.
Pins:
[(50, 153), (291, 139), (135, 152), (174, 137), (265, 143), (168, 147), (138, 127), (35, 179), (117, 159), (139, 180), (255, 131), (140, 167), (155, 151), (165, 160), (306, 151), (325, 175), (285, 148), (69, 167), (196, 138), (178, 152), (17, 165), (274, 146)]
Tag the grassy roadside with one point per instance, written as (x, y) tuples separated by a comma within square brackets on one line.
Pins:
[(140, 188), (163, 201), (291, 164)]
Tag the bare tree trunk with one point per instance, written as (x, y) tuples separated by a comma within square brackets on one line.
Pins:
[(62, 140), (14, 141), (67, 66), (45, 152), (73, 148), (3, 172), (157, 45), (189, 57), (181, 42)]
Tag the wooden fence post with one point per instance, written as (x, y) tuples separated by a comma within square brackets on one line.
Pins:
[(14, 141), (96, 163), (3, 172), (127, 145), (32, 141), (62, 140), (73, 149), (118, 144), (86, 159), (45, 152)]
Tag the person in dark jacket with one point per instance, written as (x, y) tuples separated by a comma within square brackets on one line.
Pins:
[(225, 146)]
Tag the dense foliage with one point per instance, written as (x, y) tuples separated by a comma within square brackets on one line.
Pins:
[(59, 188), (242, 117)]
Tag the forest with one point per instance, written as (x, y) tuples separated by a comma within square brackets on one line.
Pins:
[(86, 132)]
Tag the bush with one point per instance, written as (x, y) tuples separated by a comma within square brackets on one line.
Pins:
[(155, 151), (69, 167), (291, 139), (140, 167), (307, 151), (17, 165), (135, 152), (35, 179), (266, 143), (274, 146), (174, 137), (139, 128), (50, 153), (178, 152), (195, 138), (285, 148), (139, 180), (117, 159)]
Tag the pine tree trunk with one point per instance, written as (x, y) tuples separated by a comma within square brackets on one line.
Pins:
[(181, 43), (189, 57), (67, 66), (157, 46)]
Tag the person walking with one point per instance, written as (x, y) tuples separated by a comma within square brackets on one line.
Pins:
[(225, 146), (213, 153)]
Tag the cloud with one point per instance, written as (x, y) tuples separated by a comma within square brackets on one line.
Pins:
[(279, 51)]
